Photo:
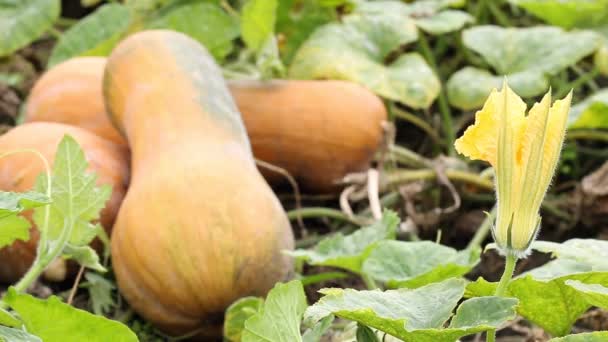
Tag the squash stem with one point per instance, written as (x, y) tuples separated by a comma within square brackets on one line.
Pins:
[(444, 107), (405, 176), (501, 289)]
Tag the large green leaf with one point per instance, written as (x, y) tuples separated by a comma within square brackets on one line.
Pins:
[(258, 18), (7, 319), (208, 23), (596, 295), (356, 50), (23, 21), (415, 264), (567, 13), (415, 315), (469, 87), (444, 22), (279, 319), (349, 252), (543, 48), (16, 335), (597, 336), (236, 315), (13, 227), (54, 321), (525, 55), (591, 252), (544, 297), (95, 35), (592, 112), (76, 201)]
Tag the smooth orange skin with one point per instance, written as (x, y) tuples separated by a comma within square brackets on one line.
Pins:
[(319, 131), (71, 93), (18, 172), (199, 227)]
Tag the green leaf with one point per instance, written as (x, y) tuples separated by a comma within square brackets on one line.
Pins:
[(23, 21), (591, 113), (236, 315), (54, 321), (486, 311), (11, 79), (413, 315), (349, 252), (469, 87), (444, 22), (279, 320), (100, 293), (596, 295), (6, 318), (365, 334), (315, 333), (296, 22), (591, 252), (208, 23), (85, 255), (597, 336), (16, 335), (321, 277), (548, 301), (76, 200), (357, 48), (527, 56), (567, 13), (258, 18), (13, 228), (12, 203), (95, 35), (543, 48), (415, 264)]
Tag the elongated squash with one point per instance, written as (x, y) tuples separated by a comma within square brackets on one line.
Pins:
[(199, 226), (70, 93), (18, 172), (319, 131)]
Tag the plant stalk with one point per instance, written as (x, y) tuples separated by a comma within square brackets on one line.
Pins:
[(501, 289)]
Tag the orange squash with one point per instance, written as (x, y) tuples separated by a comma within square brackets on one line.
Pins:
[(318, 131), (18, 172), (70, 93), (199, 226)]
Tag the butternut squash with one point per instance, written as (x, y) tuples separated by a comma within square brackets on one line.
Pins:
[(18, 172), (70, 93), (318, 131), (199, 226)]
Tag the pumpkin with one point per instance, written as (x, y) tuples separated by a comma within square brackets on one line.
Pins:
[(70, 93), (18, 172), (199, 226), (318, 131)]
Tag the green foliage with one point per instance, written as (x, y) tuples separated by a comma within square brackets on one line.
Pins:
[(594, 294), (23, 21), (525, 55), (258, 19), (315, 333), (236, 315), (95, 35), (76, 201), (13, 227), (444, 22), (279, 319), (415, 264), (16, 335), (205, 22), (415, 315), (598, 336), (54, 321), (567, 13), (592, 112), (100, 293), (349, 252)]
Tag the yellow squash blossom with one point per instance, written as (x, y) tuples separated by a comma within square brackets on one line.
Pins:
[(524, 151)]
